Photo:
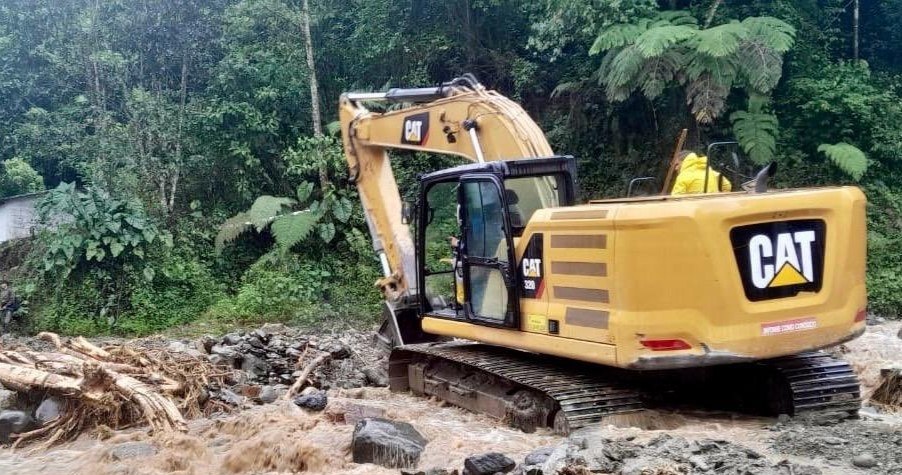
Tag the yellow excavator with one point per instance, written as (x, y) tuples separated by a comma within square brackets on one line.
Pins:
[(504, 296)]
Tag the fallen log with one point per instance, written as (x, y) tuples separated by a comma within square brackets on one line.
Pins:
[(305, 373)]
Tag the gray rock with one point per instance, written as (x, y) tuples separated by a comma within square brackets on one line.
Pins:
[(315, 401), (229, 397), (205, 343), (48, 410), (256, 367), (488, 464), (226, 352), (231, 339), (388, 443), (8, 399), (256, 342), (268, 395), (538, 456), (14, 422), (338, 350), (865, 460), (375, 377), (262, 334), (900, 333), (132, 450)]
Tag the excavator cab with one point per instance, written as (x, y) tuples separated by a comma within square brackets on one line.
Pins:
[(468, 226)]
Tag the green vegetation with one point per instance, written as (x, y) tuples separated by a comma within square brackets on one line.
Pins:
[(191, 178)]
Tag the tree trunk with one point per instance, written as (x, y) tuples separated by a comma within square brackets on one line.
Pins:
[(314, 91), (711, 12), (855, 30)]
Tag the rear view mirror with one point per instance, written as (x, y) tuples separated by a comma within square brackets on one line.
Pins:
[(406, 212)]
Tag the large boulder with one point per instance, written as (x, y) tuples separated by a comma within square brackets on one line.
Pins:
[(488, 464), (256, 367), (14, 422), (314, 401), (388, 443)]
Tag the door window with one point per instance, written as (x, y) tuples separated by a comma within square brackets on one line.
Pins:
[(486, 248)]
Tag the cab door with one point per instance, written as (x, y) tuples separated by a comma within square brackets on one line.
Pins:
[(491, 296)]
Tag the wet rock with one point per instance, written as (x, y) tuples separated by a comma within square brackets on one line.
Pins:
[(48, 410), (14, 422), (488, 464), (261, 334), (256, 367), (788, 468), (8, 399), (900, 333), (646, 465), (538, 456), (132, 450), (268, 395), (375, 377), (231, 339), (338, 350), (226, 352), (229, 397), (865, 460), (256, 342), (205, 343), (388, 443), (315, 401)]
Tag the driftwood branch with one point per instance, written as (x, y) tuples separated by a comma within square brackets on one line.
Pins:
[(305, 373)]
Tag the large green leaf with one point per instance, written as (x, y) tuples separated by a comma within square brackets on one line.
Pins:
[(847, 157), (775, 33), (293, 228), (757, 134), (616, 36), (265, 209)]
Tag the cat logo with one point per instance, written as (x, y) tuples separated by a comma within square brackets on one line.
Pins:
[(532, 268), (786, 262), (416, 129), (780, 259)]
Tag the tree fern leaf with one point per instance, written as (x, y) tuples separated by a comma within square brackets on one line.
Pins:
[(761, 65), (657, 73), (847, 157), (722, 70), (775, 33), (658, 39), (265, 209), (621, 73), (706, 97), (677, 17), (231, 229), (722, 40), (616, 36), (757, 134), (293, 228)]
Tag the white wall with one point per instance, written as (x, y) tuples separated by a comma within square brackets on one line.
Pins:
[(17, 216)]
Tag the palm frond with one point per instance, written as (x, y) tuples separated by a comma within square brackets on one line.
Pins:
[(847, 157), (677, 17), (722, 40), (620, 77), (757, 134), (760, 64)]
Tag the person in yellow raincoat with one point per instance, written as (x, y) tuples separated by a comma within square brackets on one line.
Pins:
[(691, 178)]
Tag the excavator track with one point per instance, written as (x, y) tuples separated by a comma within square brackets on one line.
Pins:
[(526, 389), (530, 390), (815, 382)]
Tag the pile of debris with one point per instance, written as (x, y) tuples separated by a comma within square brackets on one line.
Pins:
[(888, 394), (274, 360), (55, 395)]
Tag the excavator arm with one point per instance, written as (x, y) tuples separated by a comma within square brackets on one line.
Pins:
[(459, 118)]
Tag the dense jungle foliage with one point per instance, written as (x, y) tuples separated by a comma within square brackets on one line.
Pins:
[(153, 122)]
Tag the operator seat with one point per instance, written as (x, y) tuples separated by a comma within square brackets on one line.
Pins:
[(513, 210)]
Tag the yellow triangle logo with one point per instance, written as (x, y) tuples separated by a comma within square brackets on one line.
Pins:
[(788, 275)]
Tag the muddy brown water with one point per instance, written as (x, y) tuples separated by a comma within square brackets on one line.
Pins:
[(281, 438)]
